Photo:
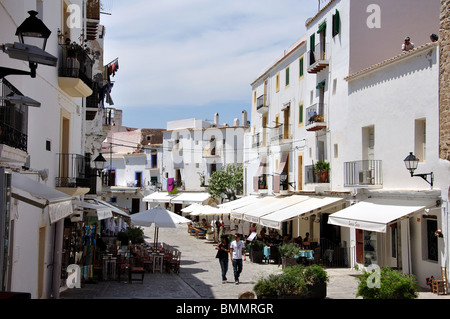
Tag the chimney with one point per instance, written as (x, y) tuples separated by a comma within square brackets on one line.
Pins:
[(216, 119), (244, 118), (236, 122)]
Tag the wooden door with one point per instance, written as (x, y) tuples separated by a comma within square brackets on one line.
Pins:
[(359, 246)]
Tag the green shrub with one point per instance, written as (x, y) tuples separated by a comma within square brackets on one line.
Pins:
[(135, 234), (257, 245), (393, 285), (289, 250), (291, 281)]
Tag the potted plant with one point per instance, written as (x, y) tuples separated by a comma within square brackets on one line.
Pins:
[(321, 168), (390, 284), (257, 251), (288, 254), (294, 282)]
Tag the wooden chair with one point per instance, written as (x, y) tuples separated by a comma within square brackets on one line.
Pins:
[(441, 285), (137, 267), (174, 263)]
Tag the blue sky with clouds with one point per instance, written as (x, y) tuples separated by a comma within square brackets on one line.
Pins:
[(192, 58)]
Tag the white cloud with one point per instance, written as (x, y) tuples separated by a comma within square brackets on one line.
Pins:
[(191, 52)]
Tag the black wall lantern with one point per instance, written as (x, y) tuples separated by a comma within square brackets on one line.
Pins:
[(99, 164), (411, 163), (284, 180), (33, 35)]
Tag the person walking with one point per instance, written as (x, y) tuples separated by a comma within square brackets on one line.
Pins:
[(237, 251), (223, 249)]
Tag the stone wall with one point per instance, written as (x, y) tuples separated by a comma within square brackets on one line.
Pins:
[(444, 99)]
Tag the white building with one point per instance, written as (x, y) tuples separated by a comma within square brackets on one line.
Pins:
[(345, 94), (43, 149), (194, 149)]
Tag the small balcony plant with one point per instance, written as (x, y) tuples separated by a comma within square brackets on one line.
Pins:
[(321, 168)]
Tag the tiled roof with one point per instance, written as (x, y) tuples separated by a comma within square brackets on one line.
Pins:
[(394, 59)]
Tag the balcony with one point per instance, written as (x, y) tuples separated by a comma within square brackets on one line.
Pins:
[(318, 58), (93, 18), (315, 116), (75, 71), (262, 105), (363, 174), (262, 182), (312, 177), (74, 174), (13, 126)]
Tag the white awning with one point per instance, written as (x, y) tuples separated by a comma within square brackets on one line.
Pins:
[(376, 214), (158, 197), (255, 215), (238, 213), (103, 212), (114, 209), (247, 200), (40, 195), (207, 210), (190, 198), (275, 219)]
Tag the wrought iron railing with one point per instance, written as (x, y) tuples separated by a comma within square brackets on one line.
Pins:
[(74, 171), (75, 63), (318, 54), (13, 119), (315, 113), (312, 176), (261, 101)]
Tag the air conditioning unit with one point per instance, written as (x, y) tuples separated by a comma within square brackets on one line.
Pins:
[(366, 177)]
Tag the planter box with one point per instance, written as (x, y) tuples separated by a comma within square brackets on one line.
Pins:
[(256, 256), (318, 291), (286, 261)]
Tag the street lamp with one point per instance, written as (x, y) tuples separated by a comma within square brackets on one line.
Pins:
[(284, 178), (99, 164), (33, 35), (411, 163)]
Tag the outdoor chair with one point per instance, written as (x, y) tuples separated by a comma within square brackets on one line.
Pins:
[(441, 285), (174, 263), (137, 268)]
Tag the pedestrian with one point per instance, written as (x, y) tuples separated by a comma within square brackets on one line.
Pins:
[(237, 251), (407, 45), (223, 249)]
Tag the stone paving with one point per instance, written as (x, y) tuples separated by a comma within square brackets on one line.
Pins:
[(200, 277)]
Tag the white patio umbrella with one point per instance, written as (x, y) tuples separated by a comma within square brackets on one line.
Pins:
[(160, 217)]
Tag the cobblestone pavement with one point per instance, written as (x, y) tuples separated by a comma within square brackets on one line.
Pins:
[(200, 277)]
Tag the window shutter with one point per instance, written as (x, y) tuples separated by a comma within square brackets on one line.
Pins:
[(312, 42), (300, 116), (301, 66)]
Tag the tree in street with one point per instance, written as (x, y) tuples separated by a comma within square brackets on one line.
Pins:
[(226, 183)]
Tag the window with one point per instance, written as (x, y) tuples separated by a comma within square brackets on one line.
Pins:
[(420, 139), (336, 23), (287, 77), (48, 145), (277, 82), (300, 114), (301, 66)]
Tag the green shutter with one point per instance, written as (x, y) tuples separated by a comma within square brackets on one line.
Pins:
[(336, 23), (320, 85), (301, 66), (322, 27), (287, 76), (312, 42), (300, 116)]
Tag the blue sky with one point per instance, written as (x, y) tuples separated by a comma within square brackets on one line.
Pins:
[(183, 59)]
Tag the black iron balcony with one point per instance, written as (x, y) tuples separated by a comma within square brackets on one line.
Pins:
[(315, 116), (75, 64), (13, 118), (262, 105), (74, 171), (318, 58)]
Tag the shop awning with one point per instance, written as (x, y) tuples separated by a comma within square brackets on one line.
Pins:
[(238, 213), (158, 197), (310, 204), (209, 211), (190, 198), (255, 215), (243, 201), (116, 211), (102, 211), (37, 194), (377, 214)]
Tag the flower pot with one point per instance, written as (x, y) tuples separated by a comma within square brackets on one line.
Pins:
[(316, 291), (288, 261), (256, 256), (323, 176)]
